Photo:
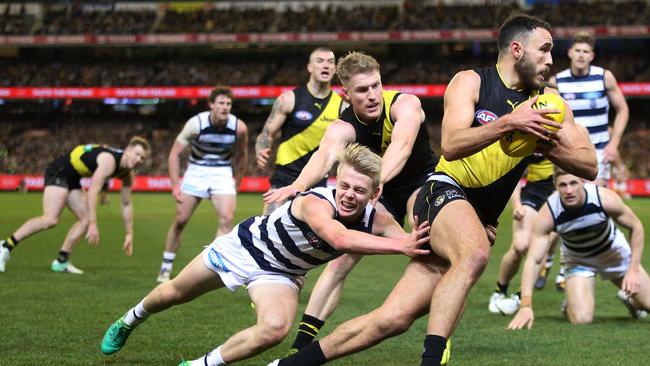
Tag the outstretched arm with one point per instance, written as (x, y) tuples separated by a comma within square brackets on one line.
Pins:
[(625, 217), (319, 215), (105, 166), (337, 135), (536, 251), (127, 213), (281, 109)]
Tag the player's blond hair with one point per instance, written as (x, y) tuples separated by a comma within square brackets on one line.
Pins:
[(355, 63), (362, 160), (140, 141), (558, 172), (584, 37)]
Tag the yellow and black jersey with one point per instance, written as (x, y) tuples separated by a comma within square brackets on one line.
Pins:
[(489, 176), (302, 132), (539, 171), (83, 159), (377, 137)]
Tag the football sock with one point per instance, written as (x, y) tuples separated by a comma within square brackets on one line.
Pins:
[(168, 260), (434, 347), (310, 355), (502, 288), (307, 331), (63, 256), (10, 243), (549, 261), (210, 359), (136, 315)]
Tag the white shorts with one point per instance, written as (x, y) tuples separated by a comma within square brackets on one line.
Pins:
[(232, 262), (604, 169), (204, 181), (611, 264)]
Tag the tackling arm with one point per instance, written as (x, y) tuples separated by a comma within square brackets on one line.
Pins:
[(127, 212), (241, 152), (279, 112), (105, 166)]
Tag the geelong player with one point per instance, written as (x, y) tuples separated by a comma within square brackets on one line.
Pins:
[(63, 188), (217, 138), (270, 254), (585, 215)]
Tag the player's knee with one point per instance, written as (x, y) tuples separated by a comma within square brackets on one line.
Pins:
[(520, 248), (273, 330), (169, 294), (181, 220), (474, 264), (581, 318), (225, 218), (341, 266), (50, 222), (391, 323)]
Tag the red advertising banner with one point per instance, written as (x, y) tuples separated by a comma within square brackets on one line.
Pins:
[(640, 31), (143, 183), (244, 92)]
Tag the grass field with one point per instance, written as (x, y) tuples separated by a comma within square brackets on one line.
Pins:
[(59, 319)]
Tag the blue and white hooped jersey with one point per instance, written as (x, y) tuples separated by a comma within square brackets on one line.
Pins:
[(281, 243), (587, 97), (587, 232), (212, 146)]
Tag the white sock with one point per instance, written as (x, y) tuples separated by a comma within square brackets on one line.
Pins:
[(168, 260), (136, 315), (211, 359)]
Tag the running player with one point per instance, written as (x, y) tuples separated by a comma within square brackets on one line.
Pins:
[(217, 138), (63, 188), (269, 255), (301, 116), (584, 215)]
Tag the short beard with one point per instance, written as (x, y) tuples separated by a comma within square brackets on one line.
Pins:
[(527, 73)]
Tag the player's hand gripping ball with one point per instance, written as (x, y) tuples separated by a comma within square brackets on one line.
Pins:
[(519, 143)]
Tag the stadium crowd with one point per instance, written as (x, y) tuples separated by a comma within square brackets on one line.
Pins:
[(81, 18), (260, 70), (30, 138)]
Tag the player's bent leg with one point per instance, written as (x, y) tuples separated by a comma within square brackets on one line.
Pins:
[(275, 306), (638, 304), (224, 205), (408, 301), (54, 199), (580, 290), (76, 202), (194, 280)]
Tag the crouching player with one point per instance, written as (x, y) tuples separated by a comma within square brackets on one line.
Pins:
[(583, 214), (270, 254)]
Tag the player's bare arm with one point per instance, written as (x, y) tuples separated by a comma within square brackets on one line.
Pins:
[(127, 212), (279, 112), (105, 166), (571, 148), (622, 115), (337, 135), (241, 152), (459, 139), (538, 247), (174, 167), (407, 114), (625, 217), (319, 215)]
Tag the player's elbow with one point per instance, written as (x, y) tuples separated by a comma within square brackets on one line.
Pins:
[(449, 151)]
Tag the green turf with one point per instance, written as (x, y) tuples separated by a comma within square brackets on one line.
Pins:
[(59, 319)]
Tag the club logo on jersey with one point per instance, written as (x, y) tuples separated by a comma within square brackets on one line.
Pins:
[(304, 115), (314, 240), (483, 116)]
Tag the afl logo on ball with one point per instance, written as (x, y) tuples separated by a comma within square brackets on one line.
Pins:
[(484, 116), (304, 115)]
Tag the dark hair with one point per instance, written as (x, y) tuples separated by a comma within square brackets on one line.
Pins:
[(220, 90), (517, 26)]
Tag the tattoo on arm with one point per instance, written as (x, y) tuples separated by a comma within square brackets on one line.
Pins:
[(264, 139)]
